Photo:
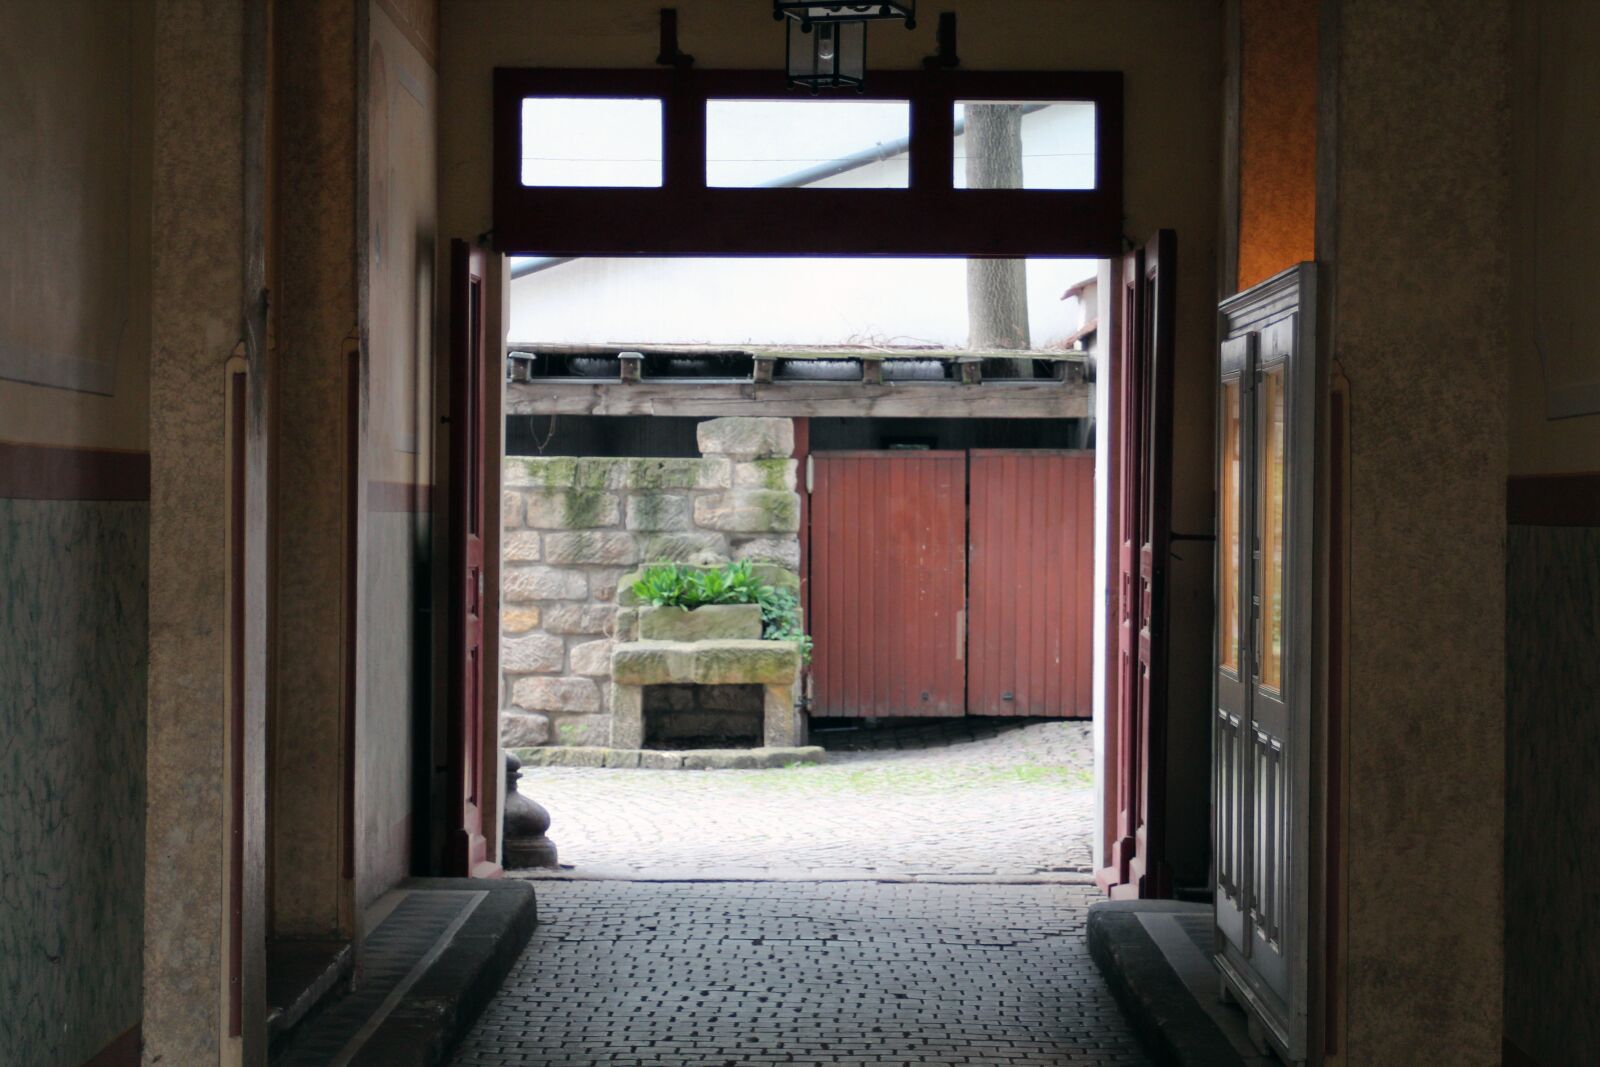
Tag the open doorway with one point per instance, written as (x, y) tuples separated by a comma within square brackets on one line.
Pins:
[(935, 452), (930, 502)]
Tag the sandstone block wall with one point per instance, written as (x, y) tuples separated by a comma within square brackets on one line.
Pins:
[(573, 526)]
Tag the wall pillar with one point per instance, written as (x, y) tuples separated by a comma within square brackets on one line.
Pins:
[(203, 993), (316, 304), (1413, 198)]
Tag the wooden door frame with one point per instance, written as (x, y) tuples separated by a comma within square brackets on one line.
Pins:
[(685, 216), (466, 846), (1134, 766)]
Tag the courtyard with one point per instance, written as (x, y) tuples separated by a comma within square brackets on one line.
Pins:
[(966, 798)]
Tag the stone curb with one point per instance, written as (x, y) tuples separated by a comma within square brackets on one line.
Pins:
[(695, 759), (429, 1022), (1170, 1023)]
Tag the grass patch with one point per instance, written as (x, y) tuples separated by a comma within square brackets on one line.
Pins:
[(888, 778)]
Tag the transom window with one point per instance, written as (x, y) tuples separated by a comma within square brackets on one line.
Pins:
[(642, 162)]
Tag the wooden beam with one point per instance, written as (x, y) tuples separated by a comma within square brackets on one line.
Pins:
[(1007, 399), (865, 353)]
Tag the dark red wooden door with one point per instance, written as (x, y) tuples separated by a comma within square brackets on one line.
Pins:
[(1031, 555), (888, 583), (1143, 437), (466, 852)]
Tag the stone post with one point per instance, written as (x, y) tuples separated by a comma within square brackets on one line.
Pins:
[(524, 844)]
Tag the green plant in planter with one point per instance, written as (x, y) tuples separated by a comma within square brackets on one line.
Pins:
[(668, 585), (780, 618), (663, 585)]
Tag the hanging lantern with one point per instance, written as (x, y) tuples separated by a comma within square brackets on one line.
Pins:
[(827, 43)]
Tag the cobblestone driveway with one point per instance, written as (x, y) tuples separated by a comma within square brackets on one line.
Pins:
[(817, 973), (1014, 801)]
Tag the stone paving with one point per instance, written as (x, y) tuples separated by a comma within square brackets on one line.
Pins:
[(647, 974), (965, 798)]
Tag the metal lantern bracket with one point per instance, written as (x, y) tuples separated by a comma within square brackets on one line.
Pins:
[(809, 12), (946, 58), (671, 55)]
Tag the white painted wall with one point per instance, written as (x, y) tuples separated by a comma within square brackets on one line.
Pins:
[(775, 301)]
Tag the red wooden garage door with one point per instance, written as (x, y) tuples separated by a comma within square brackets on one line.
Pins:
[(1029, 639), (888, 583)]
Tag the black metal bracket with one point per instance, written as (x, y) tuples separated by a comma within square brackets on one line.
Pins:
[(671, 55), (946, 58)]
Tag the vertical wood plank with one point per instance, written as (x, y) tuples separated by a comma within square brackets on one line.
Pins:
[(1032, 551)]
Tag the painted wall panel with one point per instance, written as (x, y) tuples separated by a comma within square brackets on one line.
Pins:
[(1554, 360), (397, 210), (75, 103)]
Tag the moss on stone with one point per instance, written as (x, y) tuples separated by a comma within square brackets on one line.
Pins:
[(601, 472), (550, 472), (782, 508), (657, 511), (650, 474), (582, 507), (774, 473)]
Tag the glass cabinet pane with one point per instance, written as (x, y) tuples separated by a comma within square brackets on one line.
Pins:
[(1273, 488), (1228, 535)]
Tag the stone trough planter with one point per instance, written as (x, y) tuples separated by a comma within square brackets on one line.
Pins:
[(709, 622)]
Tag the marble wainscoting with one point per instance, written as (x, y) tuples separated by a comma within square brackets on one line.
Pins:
[(1553, 793), (73, 650)]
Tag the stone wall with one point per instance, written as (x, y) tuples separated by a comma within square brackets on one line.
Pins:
[(573, 526)]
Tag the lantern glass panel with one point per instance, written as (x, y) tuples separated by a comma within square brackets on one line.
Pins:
[(585, 141), (831, 56), (1025, 144), (817, 144)]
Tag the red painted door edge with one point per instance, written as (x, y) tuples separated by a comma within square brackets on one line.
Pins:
[(466, 847)]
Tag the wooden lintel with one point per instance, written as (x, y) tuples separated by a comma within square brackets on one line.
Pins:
[(1008, 399)]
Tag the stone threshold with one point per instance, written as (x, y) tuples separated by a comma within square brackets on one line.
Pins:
[(693, 759), (430, 967), (1155, 957)]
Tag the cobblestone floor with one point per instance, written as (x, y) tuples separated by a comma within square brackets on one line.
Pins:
[(647, 974), (950, 799)]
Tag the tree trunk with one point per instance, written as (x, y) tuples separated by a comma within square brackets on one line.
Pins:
[(997, 293)]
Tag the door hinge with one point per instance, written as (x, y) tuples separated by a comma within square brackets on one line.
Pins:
[(809, 471), (961, 635)]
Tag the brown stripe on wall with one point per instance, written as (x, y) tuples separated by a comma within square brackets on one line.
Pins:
[(1553, 499), (398, 497), (52, 472), (122, 1052)]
